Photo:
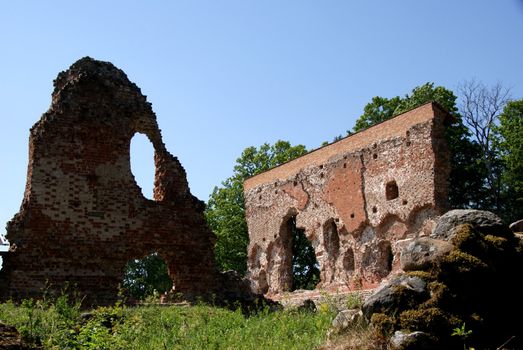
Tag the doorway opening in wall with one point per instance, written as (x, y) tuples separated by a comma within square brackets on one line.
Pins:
[(305, 267), (146, 277), (142, 163)]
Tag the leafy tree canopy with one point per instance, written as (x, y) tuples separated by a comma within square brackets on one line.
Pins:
[(510, 133), (381, 108), (225, 211)]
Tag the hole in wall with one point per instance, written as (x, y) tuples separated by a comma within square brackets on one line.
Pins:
[(391, 190), (385, 258), (144, 276), (295, 183), (375, 156), (374, 210), (348, 260), (142, 164), (331, 240), (304, 266), (4, 248)]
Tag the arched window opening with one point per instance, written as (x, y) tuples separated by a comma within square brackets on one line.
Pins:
[(305, 267), (348, 260), (146, 277), (385, 258), (4, 248), (332, 240), (391, 190), (142, 164)]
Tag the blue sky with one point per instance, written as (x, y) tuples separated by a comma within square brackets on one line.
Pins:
[(223, 75)]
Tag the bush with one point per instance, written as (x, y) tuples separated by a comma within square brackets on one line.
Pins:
[(160, 327)]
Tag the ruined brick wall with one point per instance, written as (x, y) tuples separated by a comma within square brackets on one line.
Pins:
[(354, 198), (83, 216)]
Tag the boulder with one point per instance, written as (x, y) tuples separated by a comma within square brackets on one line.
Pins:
[(412, 341), (346, 319), (421, 253), (398, 293), (517, 226), (483, 221)]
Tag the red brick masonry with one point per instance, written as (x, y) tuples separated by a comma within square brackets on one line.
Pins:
[(83, 217), (355, 198)]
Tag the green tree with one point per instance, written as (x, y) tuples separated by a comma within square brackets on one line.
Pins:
[(510, 141), (467, 170), (377, 111), (225, 212), (144, 276)]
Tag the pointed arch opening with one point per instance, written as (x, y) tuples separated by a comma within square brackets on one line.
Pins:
[(304, 271), (146, 277), (142, 163)]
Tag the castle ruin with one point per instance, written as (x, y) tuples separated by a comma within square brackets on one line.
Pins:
[(356, 199), (83, 216)]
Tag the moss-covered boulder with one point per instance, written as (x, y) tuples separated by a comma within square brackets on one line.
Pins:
[(472, 294), (483, 221), (399, 293), (422, 253)]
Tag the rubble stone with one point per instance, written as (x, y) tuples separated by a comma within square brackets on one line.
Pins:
[(481, 220), (422, 252)]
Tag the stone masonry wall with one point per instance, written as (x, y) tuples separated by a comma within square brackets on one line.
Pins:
[(83, 217), (355, 199)]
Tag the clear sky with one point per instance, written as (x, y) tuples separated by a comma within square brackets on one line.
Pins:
[(223, 75)]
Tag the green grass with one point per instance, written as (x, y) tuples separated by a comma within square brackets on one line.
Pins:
[(58, 325)]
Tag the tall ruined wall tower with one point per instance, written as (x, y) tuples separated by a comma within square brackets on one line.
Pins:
[(355, 199), (83, 216)]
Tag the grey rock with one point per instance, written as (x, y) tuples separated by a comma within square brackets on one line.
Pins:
[(412, 341), (422, 252), (517, 226), (387, 299), (347, 318), (483, 221)]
